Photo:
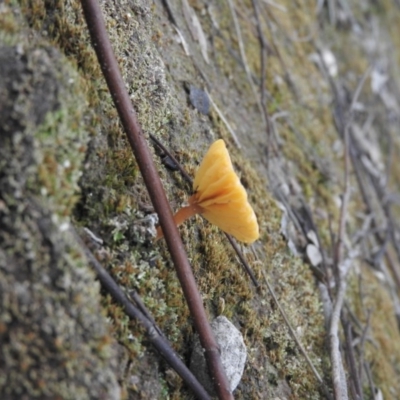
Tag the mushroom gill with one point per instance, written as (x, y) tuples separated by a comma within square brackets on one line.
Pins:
[(220, 197)]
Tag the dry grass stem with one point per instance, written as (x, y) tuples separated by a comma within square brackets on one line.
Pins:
[(338, 376), (225, 121), (243, 56), (295, 338)]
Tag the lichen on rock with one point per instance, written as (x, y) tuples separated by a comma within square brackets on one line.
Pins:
[(54, 341)]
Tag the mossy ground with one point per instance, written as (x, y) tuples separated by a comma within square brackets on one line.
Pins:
[(54, 339), (113, 198)]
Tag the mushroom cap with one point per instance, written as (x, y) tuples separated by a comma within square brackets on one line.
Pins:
[(222, 197)]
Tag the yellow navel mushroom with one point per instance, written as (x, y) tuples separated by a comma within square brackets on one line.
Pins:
[(220, 197)]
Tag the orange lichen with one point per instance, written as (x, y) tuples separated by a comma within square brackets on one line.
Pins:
[(220, 197)]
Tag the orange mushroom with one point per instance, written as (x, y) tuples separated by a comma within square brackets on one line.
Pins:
[(220, 197)]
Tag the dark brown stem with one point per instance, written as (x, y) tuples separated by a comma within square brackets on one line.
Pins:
[(182, 215), (154, 334), (355, 383), (116, 85), (263, 52)]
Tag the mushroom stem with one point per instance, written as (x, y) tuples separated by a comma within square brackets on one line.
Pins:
[(183, 214)]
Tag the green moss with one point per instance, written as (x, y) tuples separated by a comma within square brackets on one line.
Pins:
[(54, 337)]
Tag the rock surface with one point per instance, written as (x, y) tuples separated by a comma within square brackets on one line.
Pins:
[(54, 342)]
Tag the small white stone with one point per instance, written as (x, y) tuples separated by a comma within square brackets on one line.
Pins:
[(329, 60), (378, 80), (312, 237), (64, 226), (314, 255), (233, 354)]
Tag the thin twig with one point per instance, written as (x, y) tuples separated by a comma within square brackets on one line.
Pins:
[(140, 305), (362, 343), (243, 56), (339, 384), (276, 5), (224, 120), (338, 378), (380, 191), (369, 210), (127, 114), (370, 380), (355, 377), (153, 331), (244, 262), (174, 160), (293, 333), (392, 264), (275, 48), (390, 221), (263, 52), (185, 44)]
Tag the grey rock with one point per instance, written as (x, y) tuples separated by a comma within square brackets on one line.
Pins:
[(199, 99), (54, 340)]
